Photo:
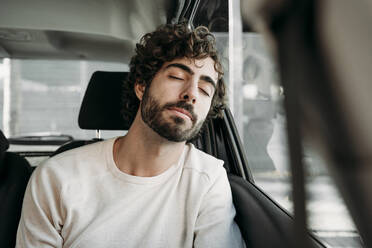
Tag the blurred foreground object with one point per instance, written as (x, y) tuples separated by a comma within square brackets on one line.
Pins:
[(324, 52)]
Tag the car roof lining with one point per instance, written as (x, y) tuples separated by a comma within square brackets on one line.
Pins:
[(104, 30), (64, 45)]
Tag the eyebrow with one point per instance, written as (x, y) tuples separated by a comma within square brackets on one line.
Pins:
[(187, 69)]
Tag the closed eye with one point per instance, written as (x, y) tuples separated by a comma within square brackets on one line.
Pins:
[(174, 77), (204, 92)]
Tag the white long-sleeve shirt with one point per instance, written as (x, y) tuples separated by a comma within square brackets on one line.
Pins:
[(81, 199)]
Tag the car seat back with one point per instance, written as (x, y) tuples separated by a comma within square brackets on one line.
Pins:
[(15, 172)]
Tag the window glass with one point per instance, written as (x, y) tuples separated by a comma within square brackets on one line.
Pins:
[(44, 97)]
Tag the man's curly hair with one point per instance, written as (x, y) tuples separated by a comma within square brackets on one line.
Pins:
[(169, 42)]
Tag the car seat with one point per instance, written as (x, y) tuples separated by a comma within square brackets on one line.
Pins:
[(101, 107), (15, 172)]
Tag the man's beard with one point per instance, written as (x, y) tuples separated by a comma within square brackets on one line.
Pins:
[(151, 113)]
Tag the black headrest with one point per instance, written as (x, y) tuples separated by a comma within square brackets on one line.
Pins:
[(102, 103), (4, 145)]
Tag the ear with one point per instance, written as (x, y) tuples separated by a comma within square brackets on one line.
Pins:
[(139, 90)]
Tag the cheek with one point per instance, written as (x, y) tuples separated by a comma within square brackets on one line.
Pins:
[(159, 93), (204, 109), (167, 93)]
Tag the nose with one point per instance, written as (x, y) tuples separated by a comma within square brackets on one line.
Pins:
[(190, 92)]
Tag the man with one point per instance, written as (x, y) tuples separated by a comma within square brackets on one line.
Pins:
[(149, 188)]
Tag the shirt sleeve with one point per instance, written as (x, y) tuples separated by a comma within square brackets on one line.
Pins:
[(41, 219), (215, 226)]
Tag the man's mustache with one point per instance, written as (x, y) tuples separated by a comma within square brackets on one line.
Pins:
[(184, 105)]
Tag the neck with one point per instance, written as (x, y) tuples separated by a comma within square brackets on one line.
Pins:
[(142, 152)]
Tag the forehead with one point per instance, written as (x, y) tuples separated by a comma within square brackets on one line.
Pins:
[(200, 67)]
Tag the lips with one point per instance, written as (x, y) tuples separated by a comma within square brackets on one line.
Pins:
[(183, 111)]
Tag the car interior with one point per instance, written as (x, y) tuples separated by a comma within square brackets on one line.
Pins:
[(320, 102)]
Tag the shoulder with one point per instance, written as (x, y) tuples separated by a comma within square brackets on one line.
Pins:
[(75, 163), (207, 166), (83, 152)]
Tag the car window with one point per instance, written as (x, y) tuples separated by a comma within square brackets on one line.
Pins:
[(60, 85), (27, 86), (263, 130)]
